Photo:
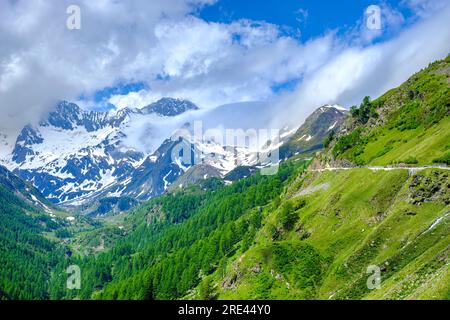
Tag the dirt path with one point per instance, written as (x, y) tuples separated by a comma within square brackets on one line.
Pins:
[(309, 190)]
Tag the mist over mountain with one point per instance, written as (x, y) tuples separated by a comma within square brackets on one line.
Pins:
[(73, 155)]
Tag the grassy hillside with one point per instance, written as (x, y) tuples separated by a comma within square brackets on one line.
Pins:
[(339, 224), (408, 124)]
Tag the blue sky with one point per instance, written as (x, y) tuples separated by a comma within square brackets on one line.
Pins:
[(321, 14), (304, 18)]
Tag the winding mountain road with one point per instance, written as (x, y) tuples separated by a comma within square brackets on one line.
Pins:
[(411, 170)]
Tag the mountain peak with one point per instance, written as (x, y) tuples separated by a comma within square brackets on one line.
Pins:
[(68, 107), (310, 136), (334, 106), (68, 116), (170, 107)]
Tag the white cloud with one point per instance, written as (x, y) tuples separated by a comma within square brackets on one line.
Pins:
[(176, 54), (41, 61), (302, 15), (358, 71), (213, 64)]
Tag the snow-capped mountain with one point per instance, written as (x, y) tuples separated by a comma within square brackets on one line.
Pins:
[(310, 136), (74, 154), (23, 190), (74, 157), (168, 107)]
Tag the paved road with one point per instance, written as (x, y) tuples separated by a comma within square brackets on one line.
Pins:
[(386, 168)]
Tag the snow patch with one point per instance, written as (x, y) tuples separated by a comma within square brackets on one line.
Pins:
[(333, 126), (436, 222), (166, 183)]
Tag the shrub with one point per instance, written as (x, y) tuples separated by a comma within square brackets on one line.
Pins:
[(347, 142), (411, 160), (329, 139), (444, 159), (301, 262), (288, 216), (364, 112), (62, 234)]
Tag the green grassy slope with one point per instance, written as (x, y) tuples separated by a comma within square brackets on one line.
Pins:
[(343, 222), (408, 124)]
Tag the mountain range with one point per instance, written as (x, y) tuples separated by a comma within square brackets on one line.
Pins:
[(74, 157)]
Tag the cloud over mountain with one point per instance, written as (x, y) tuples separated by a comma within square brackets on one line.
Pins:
[(165, 45)]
